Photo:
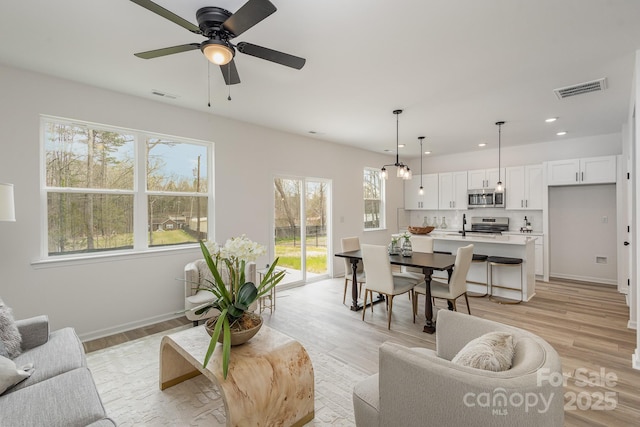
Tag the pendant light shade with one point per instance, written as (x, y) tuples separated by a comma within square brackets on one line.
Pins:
[(402, 171), (499, 185)]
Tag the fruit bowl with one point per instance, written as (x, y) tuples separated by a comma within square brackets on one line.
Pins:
[(420, 230)]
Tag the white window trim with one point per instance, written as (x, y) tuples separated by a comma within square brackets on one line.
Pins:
[(383, 202), (140, 248)]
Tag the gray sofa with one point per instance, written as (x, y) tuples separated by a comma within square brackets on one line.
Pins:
[(61, 391), (420, 387)]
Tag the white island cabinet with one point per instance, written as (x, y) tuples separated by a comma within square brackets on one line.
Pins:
[(514, 246)]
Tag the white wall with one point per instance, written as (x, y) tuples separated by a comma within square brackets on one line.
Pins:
[(105, 296)]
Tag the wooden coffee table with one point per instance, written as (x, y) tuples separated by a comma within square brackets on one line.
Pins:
[(270, 379)]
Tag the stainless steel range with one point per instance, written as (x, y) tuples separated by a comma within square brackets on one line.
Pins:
[(494, 225)]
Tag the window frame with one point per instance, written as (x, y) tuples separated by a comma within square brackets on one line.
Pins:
[(139, 192), (382, 211)]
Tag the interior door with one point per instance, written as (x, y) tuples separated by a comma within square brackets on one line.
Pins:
[(301, 228)]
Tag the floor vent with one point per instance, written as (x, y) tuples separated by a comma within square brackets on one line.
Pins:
[(579, 89)]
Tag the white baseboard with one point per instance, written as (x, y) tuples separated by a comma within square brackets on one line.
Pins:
[(590, 279), (631, 324), (101, 333), (635, 360)]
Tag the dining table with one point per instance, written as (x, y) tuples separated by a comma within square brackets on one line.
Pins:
[(428, 262)]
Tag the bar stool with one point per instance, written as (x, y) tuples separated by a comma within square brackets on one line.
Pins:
[(499, 261), (479, 258)]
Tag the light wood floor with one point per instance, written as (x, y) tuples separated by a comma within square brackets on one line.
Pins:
[(585, 323)]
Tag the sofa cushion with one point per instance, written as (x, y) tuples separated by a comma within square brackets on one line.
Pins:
[(9, 333), (61, 353), (366, 401), (492, 352), (3, 350), (67, 400), (11, 375)]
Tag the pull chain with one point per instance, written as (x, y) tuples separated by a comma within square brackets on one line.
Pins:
[(209, 83), (229, 79)]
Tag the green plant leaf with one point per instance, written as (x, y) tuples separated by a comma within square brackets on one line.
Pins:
[(219, 283), (226, 347), (270, 279), (214, 338), (247, 294)]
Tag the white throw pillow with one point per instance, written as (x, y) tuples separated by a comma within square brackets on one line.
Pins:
[(9, 333), (11, 375), (492, 352)]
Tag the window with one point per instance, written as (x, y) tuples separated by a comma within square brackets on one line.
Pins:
[(116, 189), (373, 191)]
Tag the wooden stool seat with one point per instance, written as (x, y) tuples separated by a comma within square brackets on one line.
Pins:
[(479, 258), (501, 261)]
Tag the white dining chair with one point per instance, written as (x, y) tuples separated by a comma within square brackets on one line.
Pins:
[(380, 279), (455, 287), (351, 244)]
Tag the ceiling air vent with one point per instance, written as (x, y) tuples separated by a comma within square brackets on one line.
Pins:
[(579, 89), (164, 94)]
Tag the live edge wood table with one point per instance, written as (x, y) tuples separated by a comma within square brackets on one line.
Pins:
[(270, 379), (428, 262)]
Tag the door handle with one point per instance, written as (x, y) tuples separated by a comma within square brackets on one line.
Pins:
[(626, 243)]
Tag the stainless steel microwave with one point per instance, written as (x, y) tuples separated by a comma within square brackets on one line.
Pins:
[(485, 199)]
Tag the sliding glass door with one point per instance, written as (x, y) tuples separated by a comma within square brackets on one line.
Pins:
[(301, 228)]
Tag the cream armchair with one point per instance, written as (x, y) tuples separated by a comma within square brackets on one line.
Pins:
[(196, 274), (418, 387)]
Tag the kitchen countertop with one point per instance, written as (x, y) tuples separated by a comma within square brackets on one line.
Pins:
[(507, 239)]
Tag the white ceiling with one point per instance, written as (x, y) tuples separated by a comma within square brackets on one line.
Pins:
[(455, 67)]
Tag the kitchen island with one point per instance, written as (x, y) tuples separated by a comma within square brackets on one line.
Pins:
[(506, 245)]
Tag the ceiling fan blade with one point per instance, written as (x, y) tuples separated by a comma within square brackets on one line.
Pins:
[(230, 73), (159, 10), (271, 55), (248, 15), (150, 54)]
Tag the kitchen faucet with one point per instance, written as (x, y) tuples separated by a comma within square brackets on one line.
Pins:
[(464, 222)]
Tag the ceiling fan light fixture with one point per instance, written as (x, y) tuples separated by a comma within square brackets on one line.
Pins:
[(217, 51)]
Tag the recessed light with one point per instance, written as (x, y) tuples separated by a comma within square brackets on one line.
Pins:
[(482, 144), (427, 152), (561, 133), (400, 145), (551, 119)]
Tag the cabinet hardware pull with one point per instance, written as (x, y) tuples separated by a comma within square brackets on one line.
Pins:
[(576, 176), (526, 203), (522, 203), (582, 176)]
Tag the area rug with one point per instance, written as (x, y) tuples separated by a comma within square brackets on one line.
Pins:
[(127, 379)]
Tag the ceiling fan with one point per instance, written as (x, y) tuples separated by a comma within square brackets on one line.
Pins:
[(219, 26)]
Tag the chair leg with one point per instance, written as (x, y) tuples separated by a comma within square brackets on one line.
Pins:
[(413, 304), (467, 300), (364, 307), (195, 323), (390, 299), (344, 296), (451, 304)]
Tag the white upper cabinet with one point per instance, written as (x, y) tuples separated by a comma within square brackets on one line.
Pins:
[(452, 192), (524, 188), (591, 170), (483, 178), (413, 200)]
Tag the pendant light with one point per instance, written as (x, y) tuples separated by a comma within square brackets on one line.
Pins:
[(421, 191), (402, 170), (499, 185)]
